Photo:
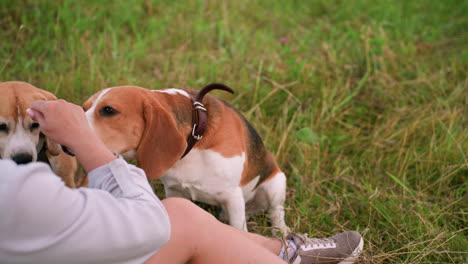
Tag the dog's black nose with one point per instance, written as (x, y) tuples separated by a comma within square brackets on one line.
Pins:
[(22, 158)]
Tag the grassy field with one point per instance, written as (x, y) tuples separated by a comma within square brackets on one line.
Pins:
[(364, 103)]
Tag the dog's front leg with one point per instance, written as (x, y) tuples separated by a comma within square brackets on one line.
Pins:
[(233, 205)]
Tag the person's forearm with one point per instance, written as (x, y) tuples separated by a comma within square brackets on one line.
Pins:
[(92, 153)]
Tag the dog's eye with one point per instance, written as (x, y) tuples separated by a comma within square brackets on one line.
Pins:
[(108, 111), (34, 126), (3, 127)]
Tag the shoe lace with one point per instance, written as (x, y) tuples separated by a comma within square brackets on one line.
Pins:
[(312, 242)]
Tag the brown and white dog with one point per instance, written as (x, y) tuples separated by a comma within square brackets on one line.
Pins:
[(20, 139), (228, 167)]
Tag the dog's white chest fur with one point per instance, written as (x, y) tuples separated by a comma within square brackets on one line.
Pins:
[(206, 176)]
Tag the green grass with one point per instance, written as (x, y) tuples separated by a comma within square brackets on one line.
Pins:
[(364, 106)]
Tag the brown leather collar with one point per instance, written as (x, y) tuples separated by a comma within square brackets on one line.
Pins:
[(199, 118)]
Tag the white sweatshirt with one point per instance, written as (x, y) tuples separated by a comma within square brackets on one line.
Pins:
[(117, 220)]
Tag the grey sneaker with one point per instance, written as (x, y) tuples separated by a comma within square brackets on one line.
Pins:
[(343, 248)]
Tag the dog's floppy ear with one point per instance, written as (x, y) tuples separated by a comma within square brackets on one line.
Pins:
[(52, 147), (162, 144), (48, 145)]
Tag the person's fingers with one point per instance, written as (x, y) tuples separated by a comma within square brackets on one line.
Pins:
[(31, 113), (39, 106), (35, 115)]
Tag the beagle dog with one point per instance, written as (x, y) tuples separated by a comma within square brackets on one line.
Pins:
[(20, 139), (227, 166)]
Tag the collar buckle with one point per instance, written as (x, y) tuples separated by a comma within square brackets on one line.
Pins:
[(196, 137)]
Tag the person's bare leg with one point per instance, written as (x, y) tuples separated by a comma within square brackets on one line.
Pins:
[(197, 237)]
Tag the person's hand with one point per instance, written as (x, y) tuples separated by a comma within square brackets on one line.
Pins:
[(61, 121), (66, 124)]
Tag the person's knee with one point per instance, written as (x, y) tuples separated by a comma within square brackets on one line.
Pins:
[(186, 210), (179, 204)]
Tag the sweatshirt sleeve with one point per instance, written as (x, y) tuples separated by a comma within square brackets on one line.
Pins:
[(117, 220)]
